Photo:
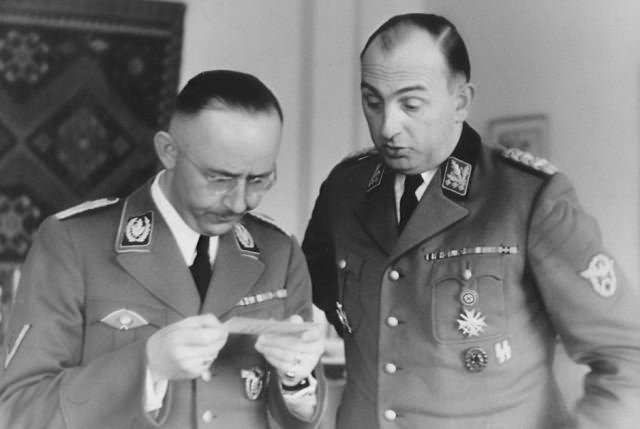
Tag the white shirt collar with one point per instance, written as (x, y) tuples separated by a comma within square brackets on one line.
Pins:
[(186, 237), (399, 187)]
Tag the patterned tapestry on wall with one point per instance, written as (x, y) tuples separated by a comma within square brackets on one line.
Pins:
[(84, 85)]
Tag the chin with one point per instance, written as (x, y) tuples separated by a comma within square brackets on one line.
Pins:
[(400, 165), (217, 228)]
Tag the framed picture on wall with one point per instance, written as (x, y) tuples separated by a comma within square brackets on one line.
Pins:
[(528, 133)]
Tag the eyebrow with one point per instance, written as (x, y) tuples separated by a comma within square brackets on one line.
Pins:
[(404, 90)]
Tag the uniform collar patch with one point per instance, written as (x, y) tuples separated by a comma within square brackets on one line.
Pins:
[(601, 275), (456, 177), (376, 177), (138, 231), (245, 240)]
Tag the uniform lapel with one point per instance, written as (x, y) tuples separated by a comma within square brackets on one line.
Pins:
[(235, 273), (444, 202), (156, 263), (377, 212), (434, 213)]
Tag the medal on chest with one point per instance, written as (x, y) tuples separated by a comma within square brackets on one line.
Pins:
[(471, 322), (254, 382)]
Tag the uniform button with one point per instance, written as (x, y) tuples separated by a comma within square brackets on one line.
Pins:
[(207, 416), (466, 274), (390, 368), (342, 264), (390, 415), (392, 322), (394, 275), (206, 376)]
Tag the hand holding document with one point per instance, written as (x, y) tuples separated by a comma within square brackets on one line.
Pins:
[(245, 325)]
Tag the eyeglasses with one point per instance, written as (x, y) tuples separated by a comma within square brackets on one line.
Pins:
[(219, 183)]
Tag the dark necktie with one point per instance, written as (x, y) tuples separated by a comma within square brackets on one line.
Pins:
[(201, 267), (408, 202)]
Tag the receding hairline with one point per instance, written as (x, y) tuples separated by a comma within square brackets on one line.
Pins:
[(400, 35)]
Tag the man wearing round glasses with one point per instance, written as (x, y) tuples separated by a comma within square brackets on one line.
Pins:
[(121, 311)]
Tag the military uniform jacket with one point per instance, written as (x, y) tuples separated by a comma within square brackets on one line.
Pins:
[(97, 284), (453, 322)]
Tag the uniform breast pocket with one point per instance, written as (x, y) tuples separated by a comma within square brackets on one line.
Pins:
[(349, 287), (114, 324), (469, 301)]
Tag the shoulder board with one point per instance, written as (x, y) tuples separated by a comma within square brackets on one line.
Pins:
[(360, 155), (531, 161), (85, 207), (263, 218)]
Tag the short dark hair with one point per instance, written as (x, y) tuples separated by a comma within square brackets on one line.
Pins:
[(443, 31), (215, 89)]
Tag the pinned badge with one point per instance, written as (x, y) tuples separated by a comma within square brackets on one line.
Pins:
[(476, 359), (137, 232), (124, 319), (601, 274), (342, 316), (244, 239), (376, 178), (254, 381), (471, 324), (468, 297), (503, 351), (457, 174)]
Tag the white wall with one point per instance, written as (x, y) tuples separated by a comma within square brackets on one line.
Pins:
[(577, 61)]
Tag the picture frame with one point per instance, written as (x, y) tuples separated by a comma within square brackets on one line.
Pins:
[(528, 133)]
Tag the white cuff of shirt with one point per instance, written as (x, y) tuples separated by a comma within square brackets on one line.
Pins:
[(154, 392)]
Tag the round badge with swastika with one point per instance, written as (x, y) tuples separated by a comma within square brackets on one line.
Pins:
[(476, 359)]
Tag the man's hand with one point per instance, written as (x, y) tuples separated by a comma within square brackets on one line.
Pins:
[(293, 356), (185, 349)]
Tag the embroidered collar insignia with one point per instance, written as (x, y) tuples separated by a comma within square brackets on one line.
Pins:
[(138, 230), (456, 176), (376, 177), (245, 241)]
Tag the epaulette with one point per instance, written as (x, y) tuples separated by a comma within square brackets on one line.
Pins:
[(531, 161), (263, 218), (359, 155), (85, 207)]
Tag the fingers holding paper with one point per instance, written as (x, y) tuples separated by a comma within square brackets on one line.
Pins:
[(294, 356), (185, 349)]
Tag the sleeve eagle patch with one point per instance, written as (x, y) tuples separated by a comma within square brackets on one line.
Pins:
[(533, 162)]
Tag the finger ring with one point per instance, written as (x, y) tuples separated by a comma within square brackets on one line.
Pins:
[(208, 361)]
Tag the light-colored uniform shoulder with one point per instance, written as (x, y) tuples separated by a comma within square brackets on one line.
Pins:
[(85, 207), (264, 219), (530, 161)]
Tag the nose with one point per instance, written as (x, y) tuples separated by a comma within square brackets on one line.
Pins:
[(390, 123), (236, 199)]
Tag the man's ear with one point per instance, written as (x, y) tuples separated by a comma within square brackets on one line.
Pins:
[(464, 99), (166, 149)]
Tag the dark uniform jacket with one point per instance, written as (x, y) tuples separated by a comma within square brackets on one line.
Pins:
[(98, 283), (453, 322)]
